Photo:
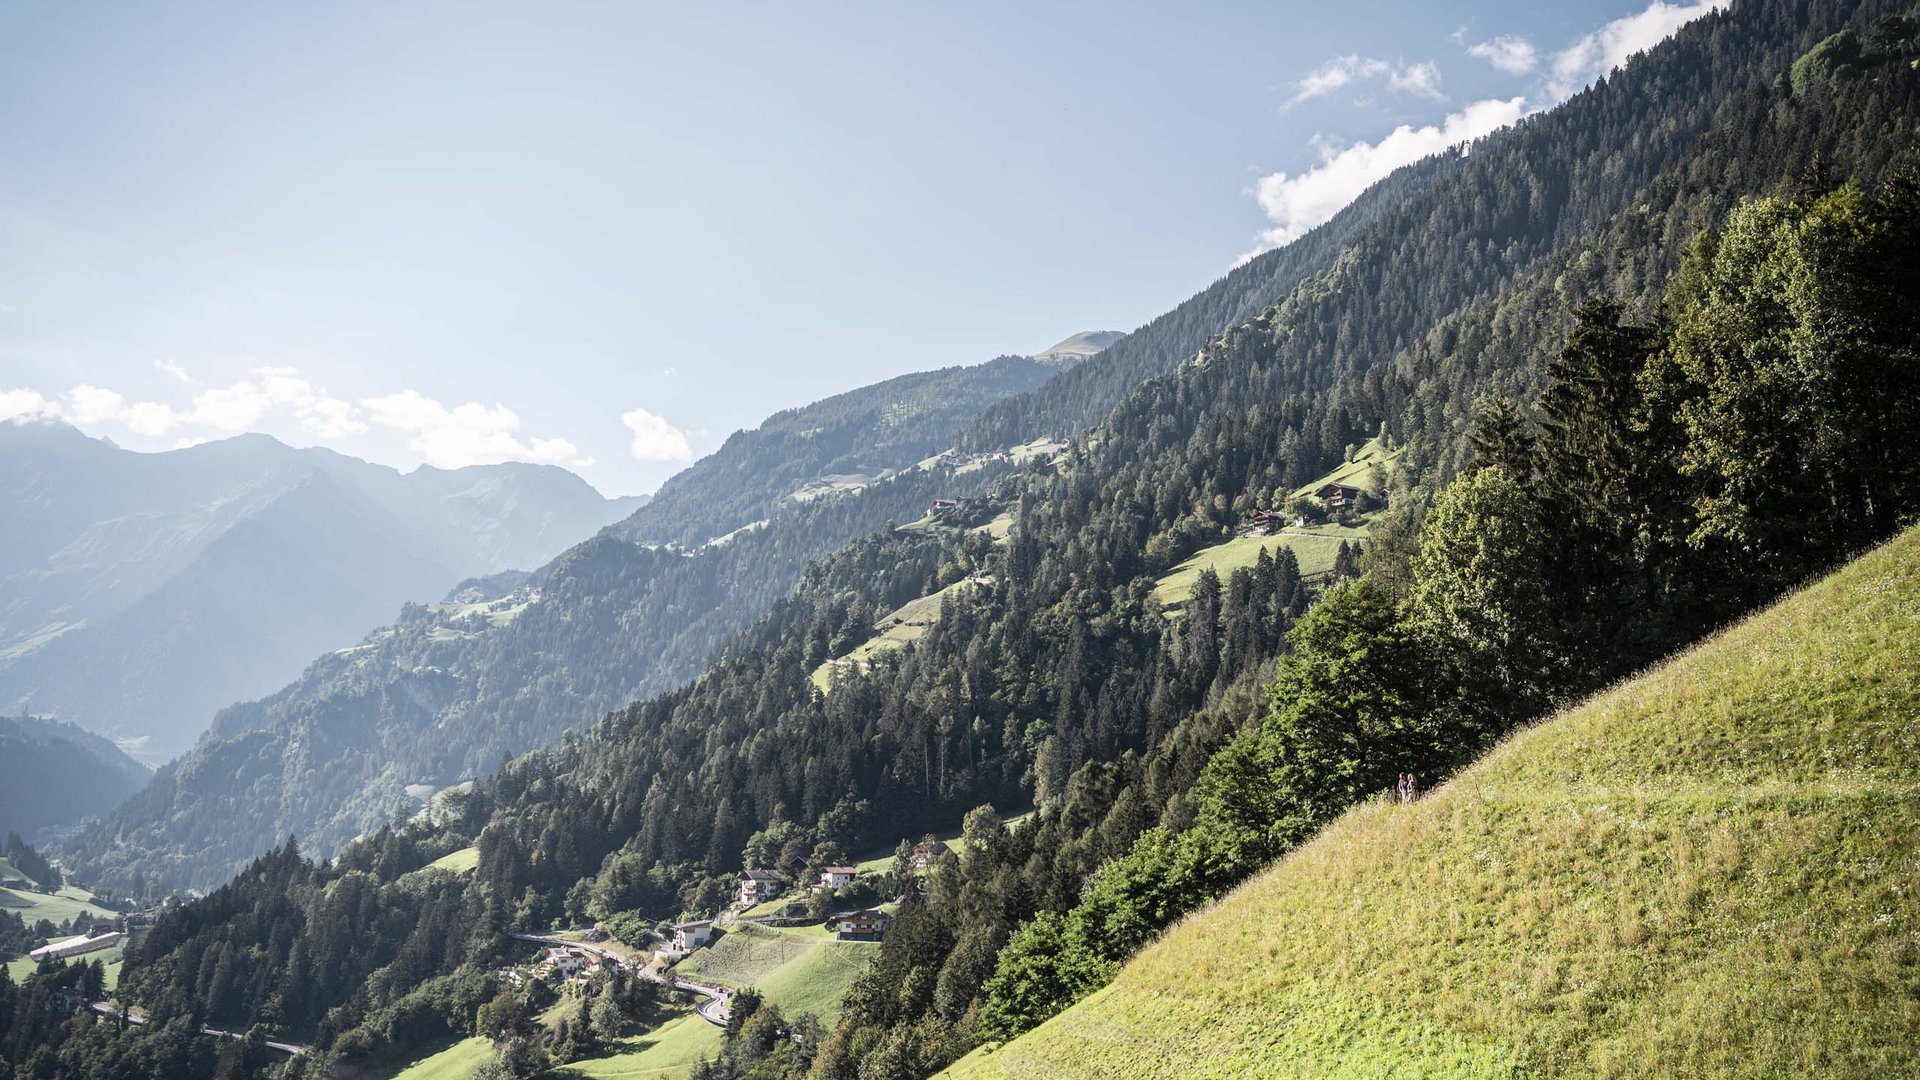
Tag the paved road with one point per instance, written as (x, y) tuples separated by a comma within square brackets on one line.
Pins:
[(108, 1008), (713, 1009)]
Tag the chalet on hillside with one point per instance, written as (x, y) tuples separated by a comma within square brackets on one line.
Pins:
[(760, 885), (569, 961), (688, 936), (927, 851), (1337, 496), (834, 877), (867, 924)]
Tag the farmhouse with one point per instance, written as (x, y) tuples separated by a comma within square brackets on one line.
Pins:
[(759, 885), (76, 946), (688, 936), (834, 877), (569, 961), (867, 924), (1339, 495), (928, 850)]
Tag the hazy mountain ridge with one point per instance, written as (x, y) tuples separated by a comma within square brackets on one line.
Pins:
[(54, 774), (444, 692), (112, 554), (835, 444)]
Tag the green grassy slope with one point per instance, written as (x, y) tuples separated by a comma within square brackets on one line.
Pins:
[(58, 907), (1315, 553), (670, 1050), (902, 626), (1358, 472), (1713, 869), (801, 969)]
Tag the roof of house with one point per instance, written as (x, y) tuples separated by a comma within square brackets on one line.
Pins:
[(693, 924), (763, 875), (864, 913), (841, 870)]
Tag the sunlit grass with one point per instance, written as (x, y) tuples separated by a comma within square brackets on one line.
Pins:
[(1713, 869)]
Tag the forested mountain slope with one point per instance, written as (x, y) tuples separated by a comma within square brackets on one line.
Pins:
[(670, 609), (221, 569), (1600, 515), (449, 690), (55, 774), (835, 444), (1704, 871)]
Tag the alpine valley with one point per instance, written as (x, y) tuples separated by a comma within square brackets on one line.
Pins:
[(1473, 639)]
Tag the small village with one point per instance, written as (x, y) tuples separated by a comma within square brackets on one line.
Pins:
[(775, 918)]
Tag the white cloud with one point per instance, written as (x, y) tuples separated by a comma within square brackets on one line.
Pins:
[(654, 439), (90, 404), (1599, 52), (327, 417), (22, 403), (274, 398), (149, 418), (331, 418), (1296, 204), (1510, 53), (172, 370), (232, 409), (469, 434), (1422, 78)]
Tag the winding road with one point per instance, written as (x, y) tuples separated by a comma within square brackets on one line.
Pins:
[(108, 1008)]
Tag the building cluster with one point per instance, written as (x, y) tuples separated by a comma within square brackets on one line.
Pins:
[(569, 962)]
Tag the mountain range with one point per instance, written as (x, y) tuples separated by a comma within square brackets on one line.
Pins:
[(1616, 378), (140, 593)]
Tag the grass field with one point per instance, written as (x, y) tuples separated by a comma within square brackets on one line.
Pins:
[(1709, 870), (1356, 473), (670, 1050), (800, 969), (1316, 555), (459, 861), (20, 967), (905, 624), (456, 1062), (744, 955), (58, 907)]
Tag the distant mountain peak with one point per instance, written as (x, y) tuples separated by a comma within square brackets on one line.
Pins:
[(1078, 347)]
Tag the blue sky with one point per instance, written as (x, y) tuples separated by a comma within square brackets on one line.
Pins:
[(606, 235)]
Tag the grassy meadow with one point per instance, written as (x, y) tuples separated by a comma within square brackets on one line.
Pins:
[(1709, 870), (904, 625), (800, 969), (1316, 555)]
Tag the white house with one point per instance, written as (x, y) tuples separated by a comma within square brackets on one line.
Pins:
[(759, 885), (569, 961), (835, 876), (688, 936)]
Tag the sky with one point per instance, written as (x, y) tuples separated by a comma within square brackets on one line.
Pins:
[(605, 236)]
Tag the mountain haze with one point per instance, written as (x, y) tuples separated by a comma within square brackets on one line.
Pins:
[(223, 568), (54, 774)]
